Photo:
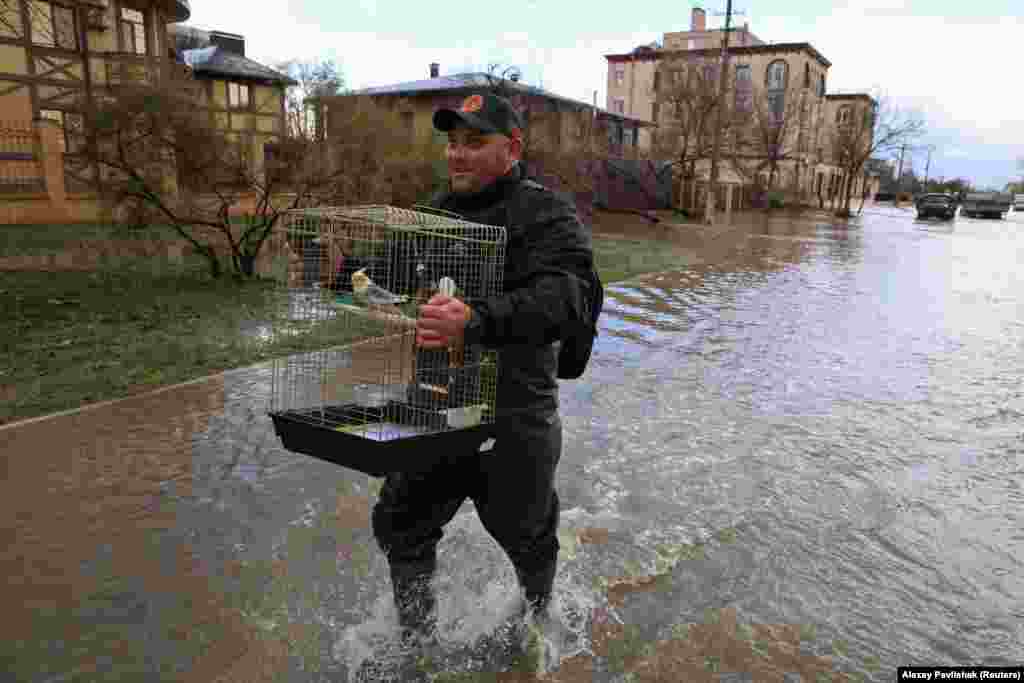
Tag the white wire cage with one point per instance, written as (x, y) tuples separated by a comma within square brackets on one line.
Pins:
[(357, 390)]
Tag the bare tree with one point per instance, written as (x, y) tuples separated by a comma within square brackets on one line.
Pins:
[(866, 128), (376, 156), (565, 142), (769, 130), (316, 79), (686, 99), (163, 160)]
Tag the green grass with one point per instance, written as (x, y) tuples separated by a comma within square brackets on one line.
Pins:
[(74, 338), (25, 240), (621, 259)]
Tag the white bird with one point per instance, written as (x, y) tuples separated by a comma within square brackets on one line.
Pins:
[(447, 286), (364, 288)]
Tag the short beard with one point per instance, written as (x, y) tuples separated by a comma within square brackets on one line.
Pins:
[(465, 191)]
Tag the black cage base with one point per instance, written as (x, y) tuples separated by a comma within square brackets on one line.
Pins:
[(365, 447)]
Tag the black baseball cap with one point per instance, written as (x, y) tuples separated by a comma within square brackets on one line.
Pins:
[(488, 113)]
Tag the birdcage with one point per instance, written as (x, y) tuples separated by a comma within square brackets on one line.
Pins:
[(354, 388)]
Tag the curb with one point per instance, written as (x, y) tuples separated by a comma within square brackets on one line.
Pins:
[(171, 387), (102, 404)]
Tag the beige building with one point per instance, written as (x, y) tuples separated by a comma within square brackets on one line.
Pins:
[(790, 78)]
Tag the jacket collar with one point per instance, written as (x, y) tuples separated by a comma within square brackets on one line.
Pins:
[(491, 194)]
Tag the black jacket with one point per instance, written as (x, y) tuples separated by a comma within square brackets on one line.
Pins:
[(548, 257)]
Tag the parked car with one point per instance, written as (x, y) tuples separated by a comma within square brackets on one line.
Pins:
[(1018, 202), (987, 204), (936, 204)]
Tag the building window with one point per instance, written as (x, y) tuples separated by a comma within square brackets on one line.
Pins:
[(744, 87), (636, 136), (238, 96), (821, 85), (807, 75), (53, 25), (710, 73), (843, 115), (654, 112), (775, 79), (310, 122), (619, 105), (657, 80), (73, 125), (133, 31), (775, 83), (620, 75)]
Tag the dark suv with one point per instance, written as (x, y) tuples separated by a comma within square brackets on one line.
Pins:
[(936, 204)]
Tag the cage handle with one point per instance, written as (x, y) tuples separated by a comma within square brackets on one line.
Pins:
[(431, 209)]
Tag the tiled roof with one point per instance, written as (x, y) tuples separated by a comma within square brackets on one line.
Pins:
[(216, 61), (476, 80)]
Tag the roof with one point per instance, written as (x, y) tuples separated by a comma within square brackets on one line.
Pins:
[(216, 61), (715, 51), (849, 96), (470, 81)]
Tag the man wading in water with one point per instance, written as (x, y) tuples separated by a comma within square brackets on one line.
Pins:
[(547, 293)]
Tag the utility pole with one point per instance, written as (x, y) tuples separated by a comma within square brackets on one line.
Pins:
[(709, 216), (899, 174), (926, 166)]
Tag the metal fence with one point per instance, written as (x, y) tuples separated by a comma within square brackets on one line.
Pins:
[(20, 167)]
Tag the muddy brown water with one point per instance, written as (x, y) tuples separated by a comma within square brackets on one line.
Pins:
[(801, 452)]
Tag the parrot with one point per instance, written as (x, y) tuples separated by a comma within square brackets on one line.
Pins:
[(364, 290)]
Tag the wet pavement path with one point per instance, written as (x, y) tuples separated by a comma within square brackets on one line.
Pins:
[(801, 451)]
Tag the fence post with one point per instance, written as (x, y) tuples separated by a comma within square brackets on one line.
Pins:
[(50, 152)]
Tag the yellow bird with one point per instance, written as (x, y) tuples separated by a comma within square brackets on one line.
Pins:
[(364, 288)]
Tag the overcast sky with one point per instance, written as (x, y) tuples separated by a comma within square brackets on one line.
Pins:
[(957, 62)]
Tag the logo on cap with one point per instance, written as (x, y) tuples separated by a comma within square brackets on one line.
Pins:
[(472, 103)]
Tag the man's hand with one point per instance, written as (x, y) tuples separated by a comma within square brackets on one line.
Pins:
[(442, 322)]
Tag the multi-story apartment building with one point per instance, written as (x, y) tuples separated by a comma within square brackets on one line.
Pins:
[(849, 119), (58, 55), (790, 78)]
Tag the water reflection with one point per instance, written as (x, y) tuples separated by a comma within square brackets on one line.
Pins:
[(803, 446)]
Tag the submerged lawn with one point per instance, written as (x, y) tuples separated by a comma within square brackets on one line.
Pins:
[(72, 338)]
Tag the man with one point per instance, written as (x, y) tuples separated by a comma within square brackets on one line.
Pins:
[(546, 288)]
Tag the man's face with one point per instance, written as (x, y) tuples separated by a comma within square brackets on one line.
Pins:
[(477, 159)]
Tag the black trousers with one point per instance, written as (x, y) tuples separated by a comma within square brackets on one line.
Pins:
[(512, 486)]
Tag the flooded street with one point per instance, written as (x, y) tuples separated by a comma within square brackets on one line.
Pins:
[(808, 440)]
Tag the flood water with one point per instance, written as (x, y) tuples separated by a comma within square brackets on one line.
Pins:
[(812, 431)]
